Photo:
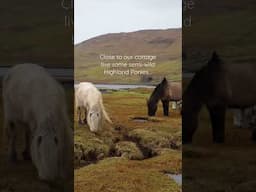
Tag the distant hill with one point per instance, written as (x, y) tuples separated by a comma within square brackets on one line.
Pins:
[(223, 25), (165, 44)]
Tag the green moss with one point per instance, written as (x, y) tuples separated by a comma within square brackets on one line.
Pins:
[(128, 150), (88, 148), (152, 139)]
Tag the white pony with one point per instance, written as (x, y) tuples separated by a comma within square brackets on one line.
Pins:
[(89, 99), (35, 102)]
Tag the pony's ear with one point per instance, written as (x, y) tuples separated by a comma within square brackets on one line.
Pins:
[(215, 58), (164, 80), (215, 55)]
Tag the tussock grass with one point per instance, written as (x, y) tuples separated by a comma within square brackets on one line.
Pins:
[(120, 174)]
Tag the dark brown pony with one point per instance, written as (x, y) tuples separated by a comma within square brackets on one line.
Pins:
[(218, 86), (166, 92)]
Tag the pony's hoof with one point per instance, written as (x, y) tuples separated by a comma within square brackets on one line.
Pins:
[(26, 156)]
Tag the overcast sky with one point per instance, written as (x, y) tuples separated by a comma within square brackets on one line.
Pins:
[(98, 17)]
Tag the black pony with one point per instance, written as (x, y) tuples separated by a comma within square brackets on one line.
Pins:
[(219, 86), (166, 92)]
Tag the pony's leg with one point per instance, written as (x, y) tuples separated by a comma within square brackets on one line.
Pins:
[(85, 116), (243, 118), (180, 105), (79, 113), (166, 107), (11, 134), (217, 115), (26, 152), (237, 118)]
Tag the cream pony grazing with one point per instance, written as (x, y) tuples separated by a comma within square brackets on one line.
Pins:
[(89, 99), (36, 104)]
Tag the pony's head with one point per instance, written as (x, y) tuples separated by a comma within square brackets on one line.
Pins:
[(156, 95), (189, 125), (214, 58), (94, 119), (45, 148), (152, 107), (191, 105)]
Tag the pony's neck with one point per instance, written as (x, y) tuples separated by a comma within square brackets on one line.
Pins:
[(192, 101), (197, 106), (154, 98)]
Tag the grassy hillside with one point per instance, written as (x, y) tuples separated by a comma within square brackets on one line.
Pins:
[(223, 26), (165, 44), (35, 31)]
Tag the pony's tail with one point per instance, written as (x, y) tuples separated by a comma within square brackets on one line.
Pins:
[(105, 114)]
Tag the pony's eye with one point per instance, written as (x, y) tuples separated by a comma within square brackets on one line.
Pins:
[(56, 140), (98, 115), (39, 140)]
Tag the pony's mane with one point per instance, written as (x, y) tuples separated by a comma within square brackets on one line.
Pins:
[(200, 86), (215, 59), (192, 96), (158, 90), (207, 71)]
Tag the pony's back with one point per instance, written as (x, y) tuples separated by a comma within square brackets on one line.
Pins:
[(29, 84), (87, 95), (175, 91)]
